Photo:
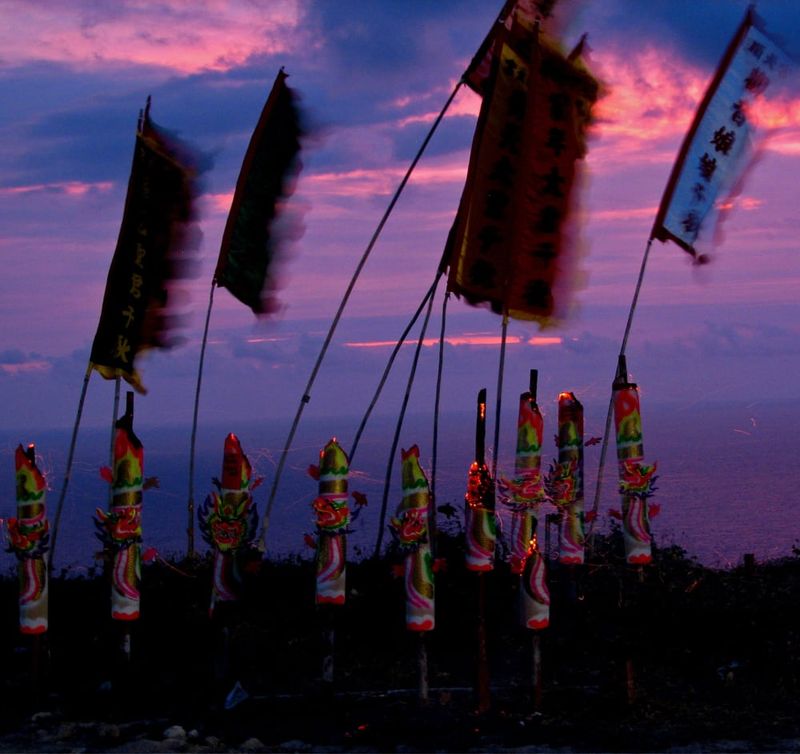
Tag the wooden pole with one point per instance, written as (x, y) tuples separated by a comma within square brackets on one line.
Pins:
[(422, 663), (328, 620), (125, 644), (193, 441), (536, 644), (536, 640), (114, 416), (483, 692), (68, 470), (306, 396)]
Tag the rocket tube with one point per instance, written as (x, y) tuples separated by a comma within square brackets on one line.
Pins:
[(410, 525), (570, 459), (333, 516), (634, 476), (481, 526), (124, 521), (526, 488), (534, 594), (28, 535), (228, 521)]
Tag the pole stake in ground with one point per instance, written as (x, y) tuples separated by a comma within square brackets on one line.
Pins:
[(410, 530), (481, 535)]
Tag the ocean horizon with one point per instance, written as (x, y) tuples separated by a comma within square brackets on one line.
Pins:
[(725, 481)]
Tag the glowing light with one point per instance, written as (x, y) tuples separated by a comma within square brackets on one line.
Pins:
[(543, 340)]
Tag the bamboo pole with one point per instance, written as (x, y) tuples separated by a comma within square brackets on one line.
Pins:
[(432, 525), (399, 427), (499, 401), (483, 674), (68, 470), (306, 396), (610, 412), (193, 441), (382, 382)]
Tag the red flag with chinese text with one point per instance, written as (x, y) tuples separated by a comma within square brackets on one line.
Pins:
[(716, 150), (153, 251), (508, 245)]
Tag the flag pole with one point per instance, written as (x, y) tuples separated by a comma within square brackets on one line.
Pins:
[(482, 677), (306, 396), (436, 402), (499, 403), (399, 427), (388, 368), (68, 470), (193, 441), (115, 414), (609, 414)]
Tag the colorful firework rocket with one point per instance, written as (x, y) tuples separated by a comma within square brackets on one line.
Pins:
[(28, 536), (535, 596), (480, 518), (228, 521), (333, 516), (121, 528), (410, 526), (527, 487), (570, 478), (481, 526), (636, 479)]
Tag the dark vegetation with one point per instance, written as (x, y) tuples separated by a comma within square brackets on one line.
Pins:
[(632, 661)]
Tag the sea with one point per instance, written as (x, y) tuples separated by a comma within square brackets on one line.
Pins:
[(727, 478)]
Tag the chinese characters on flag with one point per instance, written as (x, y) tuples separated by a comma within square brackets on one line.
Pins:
[(152, 251), (716, 149), (508, 245)]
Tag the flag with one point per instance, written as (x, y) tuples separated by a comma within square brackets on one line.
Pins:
[(508, 244), (716, 148), (151, 253), (531, 11), (248, 243)]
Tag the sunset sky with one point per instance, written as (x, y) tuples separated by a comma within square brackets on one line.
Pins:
[(372, 77)]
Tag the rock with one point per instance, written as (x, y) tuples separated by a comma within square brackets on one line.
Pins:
[(141, 746), (42, 717), (175, 731), (252, 744), (172, 745), (66, 730), (193, 734), (294, 745), (108, 731), (212, 741)]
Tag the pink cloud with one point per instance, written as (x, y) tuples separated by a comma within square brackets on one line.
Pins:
[(653, 96), (69, 188), (185, 37), (26, 367)]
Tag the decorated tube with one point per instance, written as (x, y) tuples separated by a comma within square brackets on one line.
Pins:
[(121, 527), (535, 596), (636, 479), (333, 517), (480, 523), (526, 489), (28, 535), (228, 521), (410, 529), (569, 478)]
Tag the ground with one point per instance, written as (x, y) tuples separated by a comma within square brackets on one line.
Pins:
[(675, 657)]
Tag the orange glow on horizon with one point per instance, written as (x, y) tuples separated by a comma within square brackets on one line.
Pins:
[(467, 339)]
